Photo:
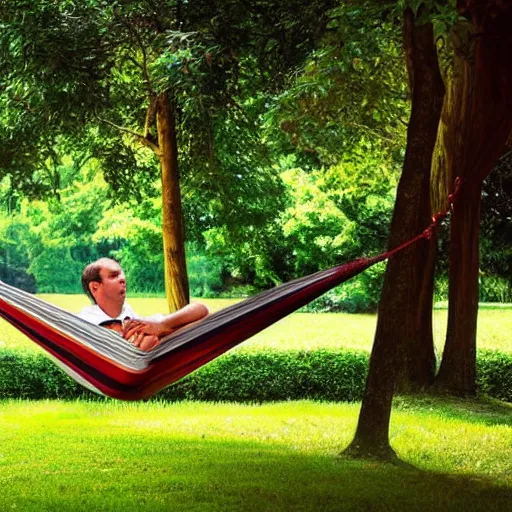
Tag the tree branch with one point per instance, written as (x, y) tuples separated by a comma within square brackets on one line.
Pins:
[(373, 132), (24, 102), (134, 62), (150, 116), (144, 65), (145, 141)]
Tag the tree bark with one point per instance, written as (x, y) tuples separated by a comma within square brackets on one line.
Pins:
[(403, 345), (176, 280), (448, 162), (457, 371)]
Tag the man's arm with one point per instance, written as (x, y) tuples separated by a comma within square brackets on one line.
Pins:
[(143, 341), (136, 330)]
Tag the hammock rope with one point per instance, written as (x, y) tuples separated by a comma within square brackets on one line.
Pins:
[(106, 363)]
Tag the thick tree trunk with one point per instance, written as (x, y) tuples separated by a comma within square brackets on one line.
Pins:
[(176, 280), (403, 346), (481, 119)]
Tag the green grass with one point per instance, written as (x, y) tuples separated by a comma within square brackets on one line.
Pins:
[(114, 456), (277, 457), (304, 331)]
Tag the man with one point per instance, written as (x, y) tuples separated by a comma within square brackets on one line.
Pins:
[(105, 284)]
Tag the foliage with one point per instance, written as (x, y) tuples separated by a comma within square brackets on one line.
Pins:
[(359, 295), (205, 273), (53, 239), (136, 232), (236, 216), (316, 230), (32, 375), (494, 374), (363, 186), (46, 245), (14, 260), (92, 72), (68, 67), (492, 289), (128, 57), (268, 376), (496, 231), (244, 377), (336, 213), (37, 53), (352, 91), (495, 289), (291, 129)]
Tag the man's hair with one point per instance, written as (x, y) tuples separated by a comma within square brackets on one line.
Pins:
[(91, 274)]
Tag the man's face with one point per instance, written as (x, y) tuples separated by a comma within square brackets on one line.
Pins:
[(112, 289)]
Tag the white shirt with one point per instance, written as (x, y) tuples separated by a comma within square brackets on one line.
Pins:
[(95, 315)]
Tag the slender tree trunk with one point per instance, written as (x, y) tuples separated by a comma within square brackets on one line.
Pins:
[(420, 365), (457, 373), (176, 280), (404, 321)]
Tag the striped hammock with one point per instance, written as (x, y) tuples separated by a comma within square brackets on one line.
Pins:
[(103, 361)]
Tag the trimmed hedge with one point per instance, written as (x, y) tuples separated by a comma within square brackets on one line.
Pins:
[(243, 377), (494, 374)]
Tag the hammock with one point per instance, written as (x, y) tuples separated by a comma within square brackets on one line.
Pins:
[(106, 363)]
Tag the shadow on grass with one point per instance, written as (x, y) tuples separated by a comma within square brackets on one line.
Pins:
[(119, 472), (482, 410)]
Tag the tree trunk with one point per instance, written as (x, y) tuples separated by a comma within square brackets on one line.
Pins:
[(457, 373), (176, 280), (403, 345)]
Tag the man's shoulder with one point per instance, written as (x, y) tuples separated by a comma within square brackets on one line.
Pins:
[(93, 314), (89, 309)]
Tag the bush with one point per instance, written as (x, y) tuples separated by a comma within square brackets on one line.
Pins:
[(358, 295), (495, 289), (204, 273), (494, 370), (17, 276), (243, 377), (490, 289), (441, 289), (35, 376), (263, 377), (240, 377)]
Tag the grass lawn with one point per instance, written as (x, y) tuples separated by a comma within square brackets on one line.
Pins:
[(304, 330), (113, 456)]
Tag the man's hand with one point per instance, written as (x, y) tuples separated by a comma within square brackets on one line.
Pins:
[(146, 341), (138, 339), (145, 334)]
